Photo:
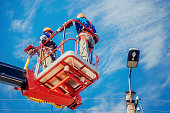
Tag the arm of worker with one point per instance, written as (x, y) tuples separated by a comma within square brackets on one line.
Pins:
[(44, 37), (67, 24), (70, 23)]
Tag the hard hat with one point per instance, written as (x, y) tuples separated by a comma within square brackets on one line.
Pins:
[(47, 29), (81, 15)]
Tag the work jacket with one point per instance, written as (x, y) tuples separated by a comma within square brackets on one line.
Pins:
[(86, 22), (45, 36)]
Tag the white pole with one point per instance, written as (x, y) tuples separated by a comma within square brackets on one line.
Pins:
[(130, 102)]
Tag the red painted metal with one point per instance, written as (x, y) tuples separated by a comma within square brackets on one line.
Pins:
[(63, 28), (78, 72), (31, 47), (56, 95), (58, 48), (96, 61), (36, 90), (63, 81), (64, 92)]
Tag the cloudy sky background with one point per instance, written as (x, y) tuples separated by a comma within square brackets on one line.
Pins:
[(120, 24)]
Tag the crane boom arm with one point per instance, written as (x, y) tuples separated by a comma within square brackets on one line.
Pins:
[(12, 75)]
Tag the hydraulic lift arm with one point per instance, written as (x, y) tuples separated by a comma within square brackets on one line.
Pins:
[(12, 75)]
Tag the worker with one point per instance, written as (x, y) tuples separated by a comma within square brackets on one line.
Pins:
[(85, 38), (48, 47)]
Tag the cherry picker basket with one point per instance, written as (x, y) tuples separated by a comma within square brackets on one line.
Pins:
[(61, 82)]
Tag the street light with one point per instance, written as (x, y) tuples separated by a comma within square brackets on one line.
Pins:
[(133, 58), (132, 62)]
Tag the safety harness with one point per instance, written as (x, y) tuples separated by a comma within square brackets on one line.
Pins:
[(85, 32)]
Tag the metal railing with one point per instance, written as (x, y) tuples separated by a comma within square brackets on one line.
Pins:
[(63, 44)]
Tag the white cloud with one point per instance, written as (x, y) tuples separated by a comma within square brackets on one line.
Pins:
[(125, 24), (8, 90), (168, 54), (25, 24), (166, 83), (17, 25), (19, 49), (10, 13), (106, 105), (147, 91), (155, 85)]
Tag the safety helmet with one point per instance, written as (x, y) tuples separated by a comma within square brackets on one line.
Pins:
[(47, 29), (81, 15)]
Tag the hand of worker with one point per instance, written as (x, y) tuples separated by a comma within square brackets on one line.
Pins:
[(64, 23), (59, 29), (69, 23), (30, 51)]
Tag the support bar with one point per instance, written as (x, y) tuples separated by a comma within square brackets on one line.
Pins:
[(12, 75)]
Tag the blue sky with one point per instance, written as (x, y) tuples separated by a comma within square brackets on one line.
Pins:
[(120, 24)]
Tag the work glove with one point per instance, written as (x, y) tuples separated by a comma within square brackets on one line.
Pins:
[(59, 29), (71, 23), (64, 23), (68, 26), (43, 37), (30, 51)]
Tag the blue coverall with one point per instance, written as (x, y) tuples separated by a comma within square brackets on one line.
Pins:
[(86, 40)]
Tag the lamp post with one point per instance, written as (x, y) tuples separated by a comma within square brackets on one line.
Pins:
[(132, 62)]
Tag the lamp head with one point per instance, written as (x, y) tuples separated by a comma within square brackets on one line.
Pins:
[(133, 58)]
